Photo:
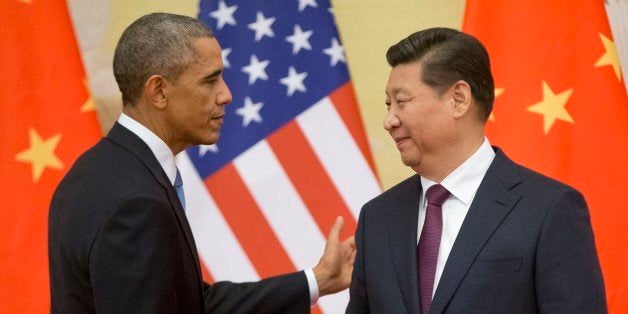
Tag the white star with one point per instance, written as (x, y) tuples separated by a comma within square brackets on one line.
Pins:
[(305, 3), (203, 149), (262, 26), (256, 70), (294, 81), (300, 39), (225, 54), (336, 52), (224, 14), (250, 112)]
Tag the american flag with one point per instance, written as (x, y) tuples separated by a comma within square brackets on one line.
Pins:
[(292, 153)]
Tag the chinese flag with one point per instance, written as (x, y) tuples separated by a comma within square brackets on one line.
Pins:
[(561, 109), (47, 120)]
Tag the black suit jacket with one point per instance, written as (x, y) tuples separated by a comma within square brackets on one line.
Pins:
[(525, 246), (119, 242)]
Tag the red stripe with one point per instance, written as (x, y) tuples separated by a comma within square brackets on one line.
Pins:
[(255, 235), (347, 107), (244, 217), (310, 179)]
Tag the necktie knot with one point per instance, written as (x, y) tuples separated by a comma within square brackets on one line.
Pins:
[(436, 195)]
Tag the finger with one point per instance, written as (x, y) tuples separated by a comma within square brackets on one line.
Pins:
[(334, 233), (349, 242)]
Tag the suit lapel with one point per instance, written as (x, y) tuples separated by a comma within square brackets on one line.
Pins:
[(402, 238), (492, 203), (133, 143)]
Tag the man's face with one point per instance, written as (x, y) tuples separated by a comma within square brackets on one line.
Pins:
[(196, 103), (419, 120)]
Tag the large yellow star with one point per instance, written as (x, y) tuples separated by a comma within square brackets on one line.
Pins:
[(41, 154), (552, 107), (610, 56), (89, 104), (498, 91)]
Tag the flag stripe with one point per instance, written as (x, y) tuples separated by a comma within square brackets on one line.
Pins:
[(346, 105), (251, 228), (349, 170), (271, 189), (308, 176), (217, 246)]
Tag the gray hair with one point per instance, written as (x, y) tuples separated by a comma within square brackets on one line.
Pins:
[(155, 44)]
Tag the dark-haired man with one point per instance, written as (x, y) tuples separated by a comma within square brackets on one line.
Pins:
[(472, 232), (119, 241)]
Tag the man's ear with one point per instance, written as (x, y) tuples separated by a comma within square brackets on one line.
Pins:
[(154, 90), (461, 95)]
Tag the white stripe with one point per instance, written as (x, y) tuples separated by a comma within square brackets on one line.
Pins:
[(340, 155), (281, 205), (285, 212), (215, 242)]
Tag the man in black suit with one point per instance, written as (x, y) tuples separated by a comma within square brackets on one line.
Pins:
[(119, 241), (472, 232)]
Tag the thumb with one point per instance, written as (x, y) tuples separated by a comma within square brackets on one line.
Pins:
[(334, 233)]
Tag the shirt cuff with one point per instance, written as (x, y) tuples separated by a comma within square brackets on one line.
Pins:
[(313, 285)]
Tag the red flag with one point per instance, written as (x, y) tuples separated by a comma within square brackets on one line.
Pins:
[(561, 109), (48, 119)]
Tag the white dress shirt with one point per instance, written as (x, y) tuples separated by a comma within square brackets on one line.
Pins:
[(166, 159), (463, 183)]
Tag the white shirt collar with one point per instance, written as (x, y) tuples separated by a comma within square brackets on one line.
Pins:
[(465, 180), (159, 148)]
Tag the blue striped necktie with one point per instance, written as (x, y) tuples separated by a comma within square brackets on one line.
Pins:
[(178, 185)]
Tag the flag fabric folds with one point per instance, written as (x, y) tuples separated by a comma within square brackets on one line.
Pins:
[(48, 119), (292, 153), (561, 109)]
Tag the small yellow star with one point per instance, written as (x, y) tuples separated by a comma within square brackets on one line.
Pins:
[(41, 154), (552, 107), (89, 104), (498, 91), (610, 56)]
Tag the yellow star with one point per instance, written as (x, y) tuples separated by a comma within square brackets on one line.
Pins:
[(41, 154), (89, 104), (498, 91), (610, 56), (552, 107)]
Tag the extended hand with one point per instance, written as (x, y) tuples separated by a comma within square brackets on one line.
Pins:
[(333, 271)]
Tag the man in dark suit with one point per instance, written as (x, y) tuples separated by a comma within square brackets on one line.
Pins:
[(472, 232), (119, 241)]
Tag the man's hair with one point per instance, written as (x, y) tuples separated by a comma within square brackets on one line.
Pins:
[(155, 44), (447, 56)]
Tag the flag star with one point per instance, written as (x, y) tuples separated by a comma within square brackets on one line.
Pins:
[(552, 107), (336, 52), (224, 15), (498, 91), (203, 149), (300, 39), (610, 56), (41, 154), (250, 112), (89, 104), (256, 69), (225, 55), (294, 81), (305, 3), (262, 26)]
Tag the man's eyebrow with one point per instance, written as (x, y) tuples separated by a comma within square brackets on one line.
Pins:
[(212, 75)]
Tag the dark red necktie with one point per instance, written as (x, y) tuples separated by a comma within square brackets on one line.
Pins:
[(429, 243)]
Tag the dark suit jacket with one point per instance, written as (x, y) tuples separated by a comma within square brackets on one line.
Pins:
[(525, 246), (119, 242)]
